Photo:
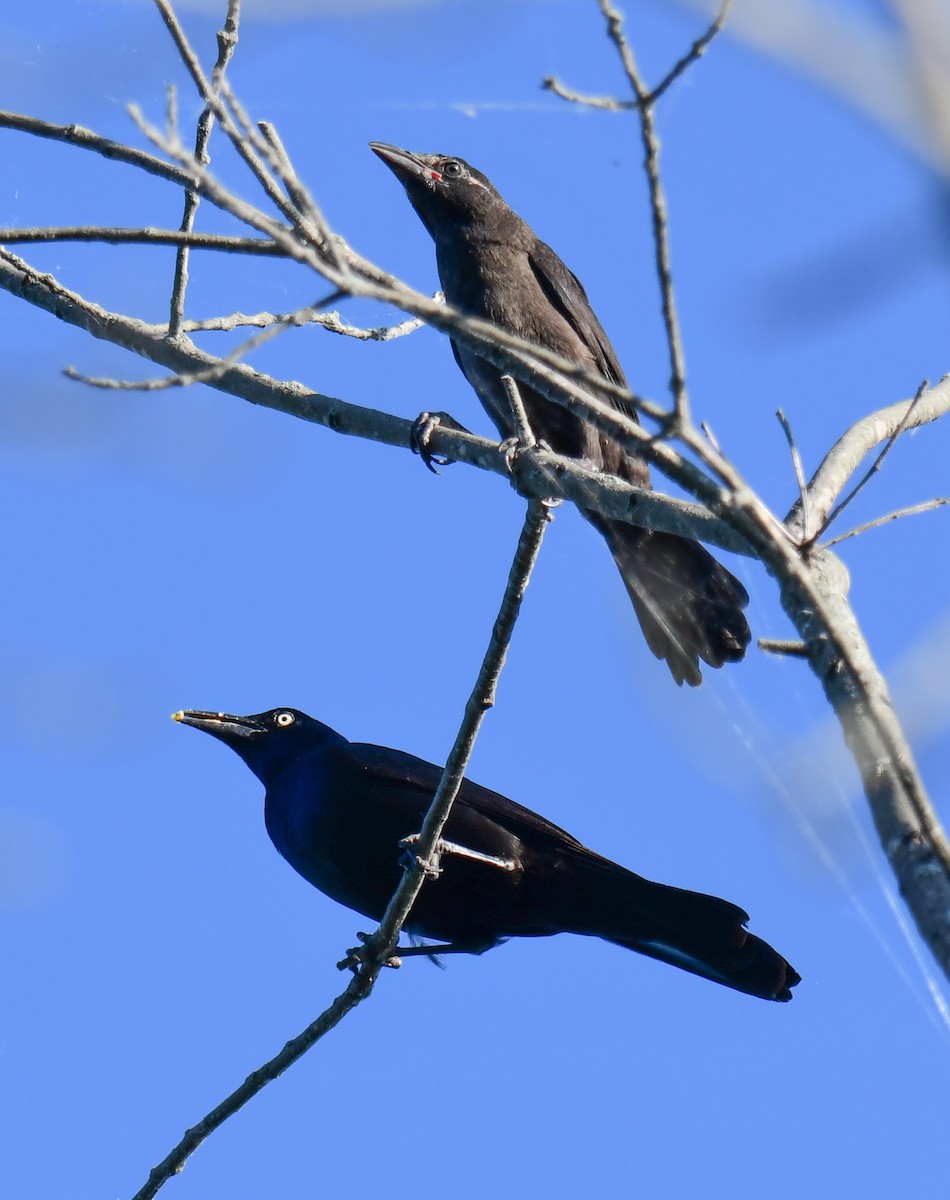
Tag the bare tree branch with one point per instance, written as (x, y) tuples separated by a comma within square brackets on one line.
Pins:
[(146, 236), (846, 455), (695, 52), (799, 475), (227, 41), (912, 511), (874, 467), (379, 947), (540, 473), (332, 322), (661, 243)]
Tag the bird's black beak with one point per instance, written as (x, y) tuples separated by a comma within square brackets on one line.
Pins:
[(221, 725), (404, 165)]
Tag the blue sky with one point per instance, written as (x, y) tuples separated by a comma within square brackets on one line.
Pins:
[(182, 549)]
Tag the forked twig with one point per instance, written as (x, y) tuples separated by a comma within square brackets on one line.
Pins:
[(799, 477), (227, 41), (661, 242), (878, 462), (694, 53), (911, 511), (209, 374), (146, 236)]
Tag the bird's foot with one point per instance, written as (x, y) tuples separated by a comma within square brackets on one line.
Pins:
[(360, 956), (414, 862), (512, 448), (421, 432)]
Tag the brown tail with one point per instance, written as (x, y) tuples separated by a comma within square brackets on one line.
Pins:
[(689, 606), (701, 934)]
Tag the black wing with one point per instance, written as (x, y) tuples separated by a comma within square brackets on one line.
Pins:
[(417, 775)]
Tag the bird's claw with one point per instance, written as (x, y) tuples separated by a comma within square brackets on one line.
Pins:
[(421, 432), (510, 449), (513, 447), (410, 861), (359, 956)]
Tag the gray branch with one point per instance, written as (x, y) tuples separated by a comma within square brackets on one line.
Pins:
[(379, 947), (538, 473), (848, 452)]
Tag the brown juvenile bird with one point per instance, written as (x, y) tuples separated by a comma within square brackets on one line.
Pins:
[(493, 265)]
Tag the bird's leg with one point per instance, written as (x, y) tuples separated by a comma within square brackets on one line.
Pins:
[(444, 847), (357, 956), (422, 429), (435, 950)]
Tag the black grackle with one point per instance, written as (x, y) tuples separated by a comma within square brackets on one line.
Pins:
[(339, 812)]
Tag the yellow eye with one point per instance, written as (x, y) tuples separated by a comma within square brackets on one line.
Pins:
[(285, 718)]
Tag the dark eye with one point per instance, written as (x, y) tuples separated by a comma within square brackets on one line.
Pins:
[(451, 168), (284, 719)]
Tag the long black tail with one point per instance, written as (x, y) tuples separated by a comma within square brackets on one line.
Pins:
[(699, 933), (689, 606)]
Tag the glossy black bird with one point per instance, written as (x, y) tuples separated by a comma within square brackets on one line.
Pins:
[(493, 265), (338, 810)]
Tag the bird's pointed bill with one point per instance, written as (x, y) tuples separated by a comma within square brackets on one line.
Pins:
[(220, 725), (402, 163)]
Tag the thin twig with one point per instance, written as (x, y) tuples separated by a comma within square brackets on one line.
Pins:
[(331, 321), (310, 230), (296, 188), (694, 54), (519, 416), (780, 646), (799, 476), (551, 83), (227, 41), (911, 511), (358, 989), (380, 946), (878, 462), (849, 451), (482, 698), (88, 139), (207, 375), (147, 236), (710, 436), (651, 162), (263, 136)]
